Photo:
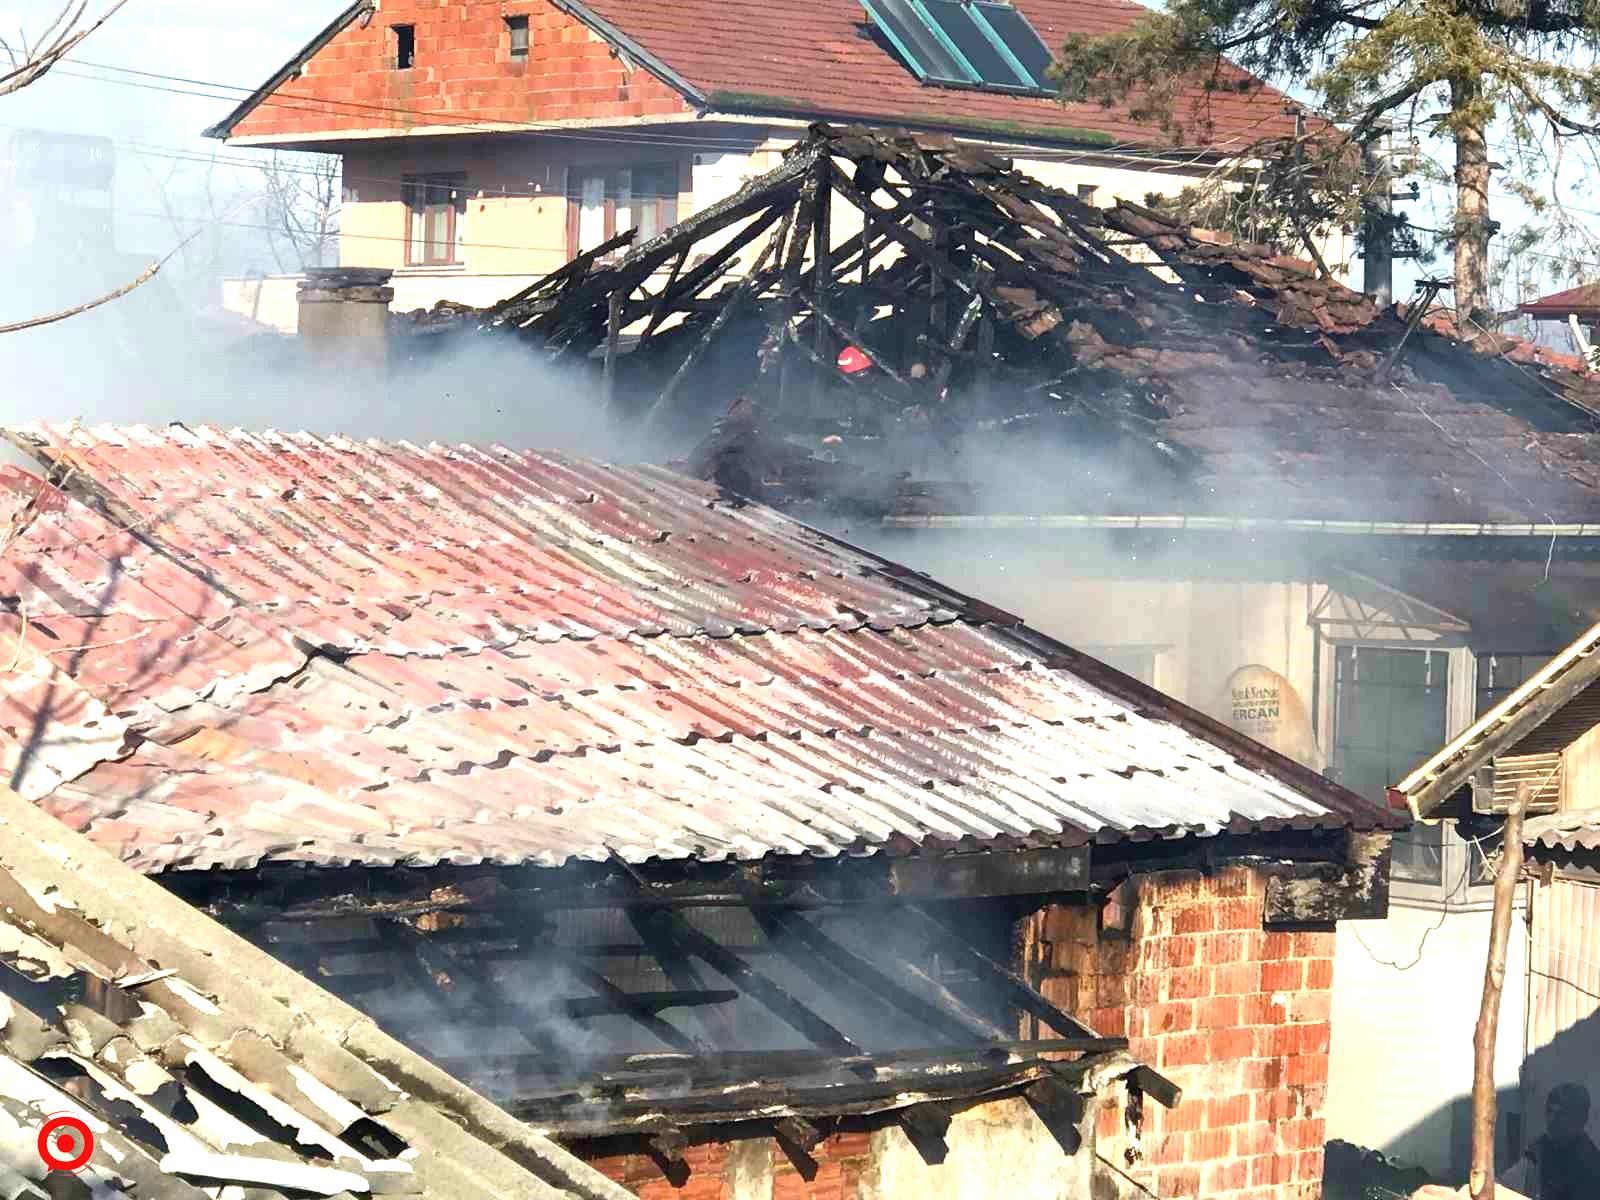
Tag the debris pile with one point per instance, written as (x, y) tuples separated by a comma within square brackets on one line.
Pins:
[(889, 304)]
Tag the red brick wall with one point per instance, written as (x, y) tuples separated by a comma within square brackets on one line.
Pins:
[(840, 1158), (1236, 1016), (463, 73)]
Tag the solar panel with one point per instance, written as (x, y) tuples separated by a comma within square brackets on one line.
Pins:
[(1026, 46), (965, 28), (926, 55)]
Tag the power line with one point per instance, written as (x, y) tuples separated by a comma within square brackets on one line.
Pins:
[(332, 107)]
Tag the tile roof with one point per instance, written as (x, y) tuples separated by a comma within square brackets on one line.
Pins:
[(237, 648), (198, 1063), (817, 59), (1584, 300)]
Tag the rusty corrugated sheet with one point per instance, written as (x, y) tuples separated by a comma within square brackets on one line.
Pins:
[(406, 654)]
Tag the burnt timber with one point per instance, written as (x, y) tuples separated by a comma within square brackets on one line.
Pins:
[(987, 312)]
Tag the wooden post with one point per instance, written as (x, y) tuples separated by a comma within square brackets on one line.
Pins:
[(613, 329), (1481, 1179)]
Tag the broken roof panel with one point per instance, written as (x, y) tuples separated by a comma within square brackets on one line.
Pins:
[(199, 1063), (494, 656)]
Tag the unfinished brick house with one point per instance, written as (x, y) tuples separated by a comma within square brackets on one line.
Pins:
[(485, 143), (739, 861)]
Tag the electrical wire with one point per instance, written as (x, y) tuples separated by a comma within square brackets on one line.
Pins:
[(333, 107)]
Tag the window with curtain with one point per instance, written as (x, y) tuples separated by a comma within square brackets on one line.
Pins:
[(434, 204), (606, 201)]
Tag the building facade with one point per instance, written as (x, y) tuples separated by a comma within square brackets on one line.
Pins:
[(487, 142)]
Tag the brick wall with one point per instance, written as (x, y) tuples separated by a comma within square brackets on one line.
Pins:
[(1236, 1016), (716, 1171), (463, 73)]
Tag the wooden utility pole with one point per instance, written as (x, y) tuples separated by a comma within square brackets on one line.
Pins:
[(1481, 1179)]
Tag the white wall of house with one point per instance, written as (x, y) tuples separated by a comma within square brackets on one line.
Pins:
[(1406, 992), (512, 225)]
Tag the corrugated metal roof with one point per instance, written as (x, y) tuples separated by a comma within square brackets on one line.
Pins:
[(202, 1067), (1575, 829), (464, 654)]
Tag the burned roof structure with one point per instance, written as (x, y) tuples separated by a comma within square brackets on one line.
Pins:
[(201, 1066), (636, 807), (975, 317)]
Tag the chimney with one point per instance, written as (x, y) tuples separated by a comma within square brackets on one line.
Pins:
[(344, 314)]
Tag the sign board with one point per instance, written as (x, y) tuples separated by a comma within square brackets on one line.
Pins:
[(1260, 703)]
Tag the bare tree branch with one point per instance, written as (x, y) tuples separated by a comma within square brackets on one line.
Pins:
[(61, 36), (145, 277)]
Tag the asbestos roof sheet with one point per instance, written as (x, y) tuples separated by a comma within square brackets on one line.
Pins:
[(1577, 829), (200, 1067), (400, 654)]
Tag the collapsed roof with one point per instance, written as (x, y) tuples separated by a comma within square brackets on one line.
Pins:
[(234, 649), (1035, 353), (201, 1066)]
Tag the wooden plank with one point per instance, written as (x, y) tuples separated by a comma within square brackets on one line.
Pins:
[(948, 1018), (774, 998)]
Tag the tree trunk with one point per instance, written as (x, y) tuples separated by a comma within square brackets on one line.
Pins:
[(1481, 1180), (1470, 115)]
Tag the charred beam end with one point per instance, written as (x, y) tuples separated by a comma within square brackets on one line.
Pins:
[(1320, 895), (797, 1135), (1060, 1108), (926, 1126), (1157, 1086)]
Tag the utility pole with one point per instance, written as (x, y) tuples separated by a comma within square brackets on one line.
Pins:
[(1378, 208), (1480, 1181)]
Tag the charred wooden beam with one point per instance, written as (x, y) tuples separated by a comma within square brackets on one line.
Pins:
[(643, 1003), (798, 1132), (669, 1034), (1157, 1086), (1060, 1108), (1015, 987), (1319, 895), (925, 1126), (775, 998), (945, 1016)]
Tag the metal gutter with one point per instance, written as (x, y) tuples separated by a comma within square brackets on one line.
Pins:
[(1246, 525), (652, 63), (290, 69)]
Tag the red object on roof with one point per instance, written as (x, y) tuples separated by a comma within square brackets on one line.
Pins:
[(812, 60), (1582, 302), (462, 655), (852, 360)]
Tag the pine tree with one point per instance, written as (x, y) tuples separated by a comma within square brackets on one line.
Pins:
[(1449, 68)]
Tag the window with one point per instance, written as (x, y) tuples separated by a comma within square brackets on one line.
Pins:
[(966, 43), (405, 46), (518, 27), (1086, 192), (1501, 674), (1390, 711), (605, 201), (433, 206)]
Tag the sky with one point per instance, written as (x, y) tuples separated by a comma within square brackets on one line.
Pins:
[(162, 159)]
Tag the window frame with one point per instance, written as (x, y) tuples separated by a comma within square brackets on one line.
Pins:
[(667, 207), (516, 24), (405, 46), (1460, 888), (455, 208)]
